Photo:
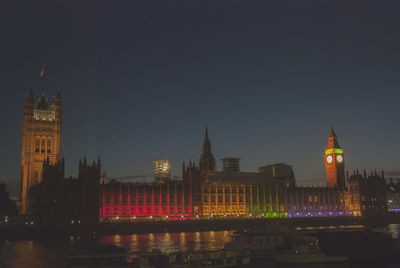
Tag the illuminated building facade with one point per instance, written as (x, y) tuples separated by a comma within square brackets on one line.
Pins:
[(241, 199), (170, 200), (317, 202), (41, 139), (162, 170), (269, 193), (204, 192), (334, 163)]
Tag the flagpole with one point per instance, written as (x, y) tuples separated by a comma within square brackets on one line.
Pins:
[(42, 74)]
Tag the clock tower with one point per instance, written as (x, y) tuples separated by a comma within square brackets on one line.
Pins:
[(41, 140), (334, 162)]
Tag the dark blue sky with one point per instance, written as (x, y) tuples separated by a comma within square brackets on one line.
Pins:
[(140, 79)]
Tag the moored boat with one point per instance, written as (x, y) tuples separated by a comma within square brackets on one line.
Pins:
[(305, 250), (258, 242), (213, 258)]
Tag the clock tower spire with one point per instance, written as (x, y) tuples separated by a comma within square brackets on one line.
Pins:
[(334, 162)]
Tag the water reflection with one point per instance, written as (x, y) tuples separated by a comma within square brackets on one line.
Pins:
[(394, 230), (169, 242), (45, 254)]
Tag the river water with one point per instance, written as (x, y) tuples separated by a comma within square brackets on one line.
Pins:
[(50, 253)]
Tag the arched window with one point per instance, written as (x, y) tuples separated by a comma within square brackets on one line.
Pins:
[(37, 145), (43, 147), (49, 146)]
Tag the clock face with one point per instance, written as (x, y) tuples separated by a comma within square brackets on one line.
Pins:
[(329, 159), (339, 158)]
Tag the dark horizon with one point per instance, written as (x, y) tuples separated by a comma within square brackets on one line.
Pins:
[(140, 81)]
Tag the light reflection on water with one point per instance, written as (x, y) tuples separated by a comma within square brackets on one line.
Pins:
[(45, 254), (394, 229), (169, 242)]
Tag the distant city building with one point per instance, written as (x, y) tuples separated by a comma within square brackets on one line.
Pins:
[(334, 163), (162, 170), (41, 140), (230, 164)]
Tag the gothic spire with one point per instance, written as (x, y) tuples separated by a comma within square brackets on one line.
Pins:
[(333, 140), (207, 160), (332, 133)]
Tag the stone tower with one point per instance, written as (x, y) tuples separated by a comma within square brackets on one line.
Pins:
[(207, 160), (41, 139), (334, 162)]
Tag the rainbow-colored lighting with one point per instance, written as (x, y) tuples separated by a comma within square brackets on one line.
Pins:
[(334, 151)]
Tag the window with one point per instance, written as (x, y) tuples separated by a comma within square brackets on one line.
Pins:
[(37, 145), (43, 143), (49, 143)]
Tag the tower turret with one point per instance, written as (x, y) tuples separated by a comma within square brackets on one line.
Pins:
[(41, 141)]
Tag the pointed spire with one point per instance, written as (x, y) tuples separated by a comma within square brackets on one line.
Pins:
[(58, 96), (29, 96), (383, 174), (30, 92), (332, 132), (207, 160)]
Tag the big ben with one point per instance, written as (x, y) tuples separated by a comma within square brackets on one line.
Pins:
[(41, 140), (334, 162)]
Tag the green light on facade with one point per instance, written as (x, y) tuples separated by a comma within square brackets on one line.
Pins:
[(334, 151)]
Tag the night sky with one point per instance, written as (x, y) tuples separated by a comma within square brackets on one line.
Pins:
[(141, 79)]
